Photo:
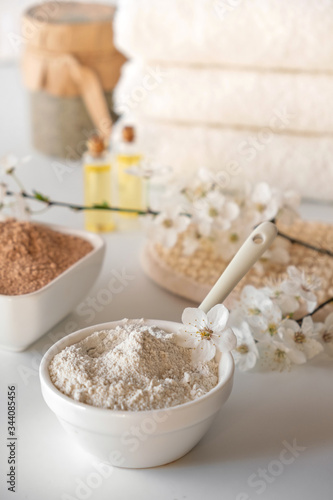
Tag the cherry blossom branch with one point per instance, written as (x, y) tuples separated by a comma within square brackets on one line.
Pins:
[(104, 206), (296, 241), (304, 244), (318, 308)]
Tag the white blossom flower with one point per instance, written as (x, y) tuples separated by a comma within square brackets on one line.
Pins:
[(229, 241), (191, 240), (166, 226), (269, 203), (288, 212), (276, 356), (266, 202), (192, 187), (214, 211), (287, 303), (263, 315), (203, 333), (245, 353), (300, 339), (7, 163), (301, 285), (278, 253), (10, 162), (324, 332), (200, 185), (148, 168), (290, 346)]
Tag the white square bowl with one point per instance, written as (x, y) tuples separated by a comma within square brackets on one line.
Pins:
[(26, 318)]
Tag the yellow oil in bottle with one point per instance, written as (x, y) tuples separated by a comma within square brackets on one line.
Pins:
[(131, 187), (97, 189)]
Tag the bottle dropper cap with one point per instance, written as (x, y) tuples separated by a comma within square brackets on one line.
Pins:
[(96, 145), (128, 133)]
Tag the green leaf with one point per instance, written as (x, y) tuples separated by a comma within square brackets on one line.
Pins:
[(41, 197), (102, 205)]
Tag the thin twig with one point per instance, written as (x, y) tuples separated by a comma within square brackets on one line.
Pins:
[(305, 244), (17, 180), (78, 208), (318, 308)]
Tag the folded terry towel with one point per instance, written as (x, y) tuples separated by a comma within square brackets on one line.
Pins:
[(288, 161), (295, 34), (298, 101)]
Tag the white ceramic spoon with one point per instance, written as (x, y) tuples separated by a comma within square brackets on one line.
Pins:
[(251, 250)]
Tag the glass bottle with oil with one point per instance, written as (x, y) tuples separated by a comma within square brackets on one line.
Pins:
[(131, 186), (97, 186)]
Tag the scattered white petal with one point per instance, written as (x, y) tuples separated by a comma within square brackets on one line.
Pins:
[(205, 351)]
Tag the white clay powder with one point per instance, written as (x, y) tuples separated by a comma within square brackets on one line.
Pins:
[(133, 367)]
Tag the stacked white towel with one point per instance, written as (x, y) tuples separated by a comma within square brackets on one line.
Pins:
[(285, 160), (234, 98), (245, 81), (287, 34)]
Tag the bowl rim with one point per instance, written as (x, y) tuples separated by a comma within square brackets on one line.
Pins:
[(45, 378), (96, 241)]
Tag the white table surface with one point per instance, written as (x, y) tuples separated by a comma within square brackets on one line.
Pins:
[(265, 410)]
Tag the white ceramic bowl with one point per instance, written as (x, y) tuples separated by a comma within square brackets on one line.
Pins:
[(135, 439), (25, 318)]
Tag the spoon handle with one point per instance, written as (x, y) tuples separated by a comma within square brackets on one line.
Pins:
[(252, 249)]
